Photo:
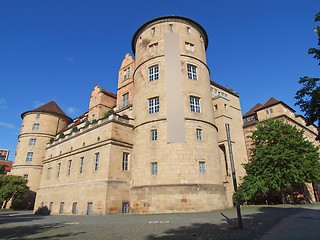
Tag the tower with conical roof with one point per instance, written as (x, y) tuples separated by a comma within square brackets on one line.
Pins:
[(38, 127)]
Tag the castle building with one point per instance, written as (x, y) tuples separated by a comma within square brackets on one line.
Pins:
[(274, 108), (159, 145)]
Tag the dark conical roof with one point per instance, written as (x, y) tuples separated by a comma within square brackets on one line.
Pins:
[(50, 107)]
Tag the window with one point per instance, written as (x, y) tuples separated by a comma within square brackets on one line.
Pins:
[(153, 73), (194, 104), (125, 161), (32, 142), (126, 73), (218, 93), (96, 162), (25, 176), (199, 134), (153, 47), (154, 134), (125, 100), (89, 208), (189, 46), (35, 126), (59, 169), (269, 111), (38, 116), (202, 167), (153, 105), (69, 167), (153, 30), (61, 207), (188, 30), (29, 157), (170, 27), (125, 207), (192, 72), (50, 206), (81, 164), (49, 172), (154, 168), (74, 207)]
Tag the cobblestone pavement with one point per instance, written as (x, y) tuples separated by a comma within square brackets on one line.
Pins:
[(259, 222)]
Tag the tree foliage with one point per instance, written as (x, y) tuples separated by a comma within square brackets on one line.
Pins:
[(12, 187), (3, 168), (308, 97), (281, 157)]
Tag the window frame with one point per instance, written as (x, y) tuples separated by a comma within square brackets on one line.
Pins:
[(202, 167), (195, 104), (199, 134), (69, 167), (125, 100), (32, 141), (154, 168), (125, 161), (29, 157), (35, 126), (192, 72), (153, 72), (96, 161), (154, 134), (81, 165), (153, 105), (59, 169)]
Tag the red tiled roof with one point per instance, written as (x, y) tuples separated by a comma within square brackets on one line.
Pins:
[(252, 110), (8, 165)]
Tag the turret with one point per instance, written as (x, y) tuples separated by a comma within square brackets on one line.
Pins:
[(176, 164), (38, 127)]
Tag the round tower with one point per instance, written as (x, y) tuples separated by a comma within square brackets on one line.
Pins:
[(38, 127), (176, 164)]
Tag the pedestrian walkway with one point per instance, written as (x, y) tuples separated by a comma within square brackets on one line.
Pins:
[(304, 225)]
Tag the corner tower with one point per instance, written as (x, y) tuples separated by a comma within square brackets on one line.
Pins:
[(38, 127), (176, 165)]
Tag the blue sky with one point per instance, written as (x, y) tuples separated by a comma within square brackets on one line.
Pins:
[(60, 49)]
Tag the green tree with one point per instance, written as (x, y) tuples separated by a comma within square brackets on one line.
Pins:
[(308, 97), (281, 157), (2, 168), (12, 187)]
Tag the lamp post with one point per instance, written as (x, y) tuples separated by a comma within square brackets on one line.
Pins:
[(233, 173)]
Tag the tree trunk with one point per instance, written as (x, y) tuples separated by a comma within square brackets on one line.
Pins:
[(283, 197), (5, 204)]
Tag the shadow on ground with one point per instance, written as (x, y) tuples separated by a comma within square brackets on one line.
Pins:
[(27, 232), (254, 226)]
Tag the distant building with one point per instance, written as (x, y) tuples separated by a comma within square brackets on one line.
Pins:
[(158, 145), (274, 108), (4, 155), (8, 167)]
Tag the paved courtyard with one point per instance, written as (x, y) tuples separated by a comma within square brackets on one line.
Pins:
[(259, 222)]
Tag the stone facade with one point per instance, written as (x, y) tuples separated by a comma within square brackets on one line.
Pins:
[(159, 145)]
